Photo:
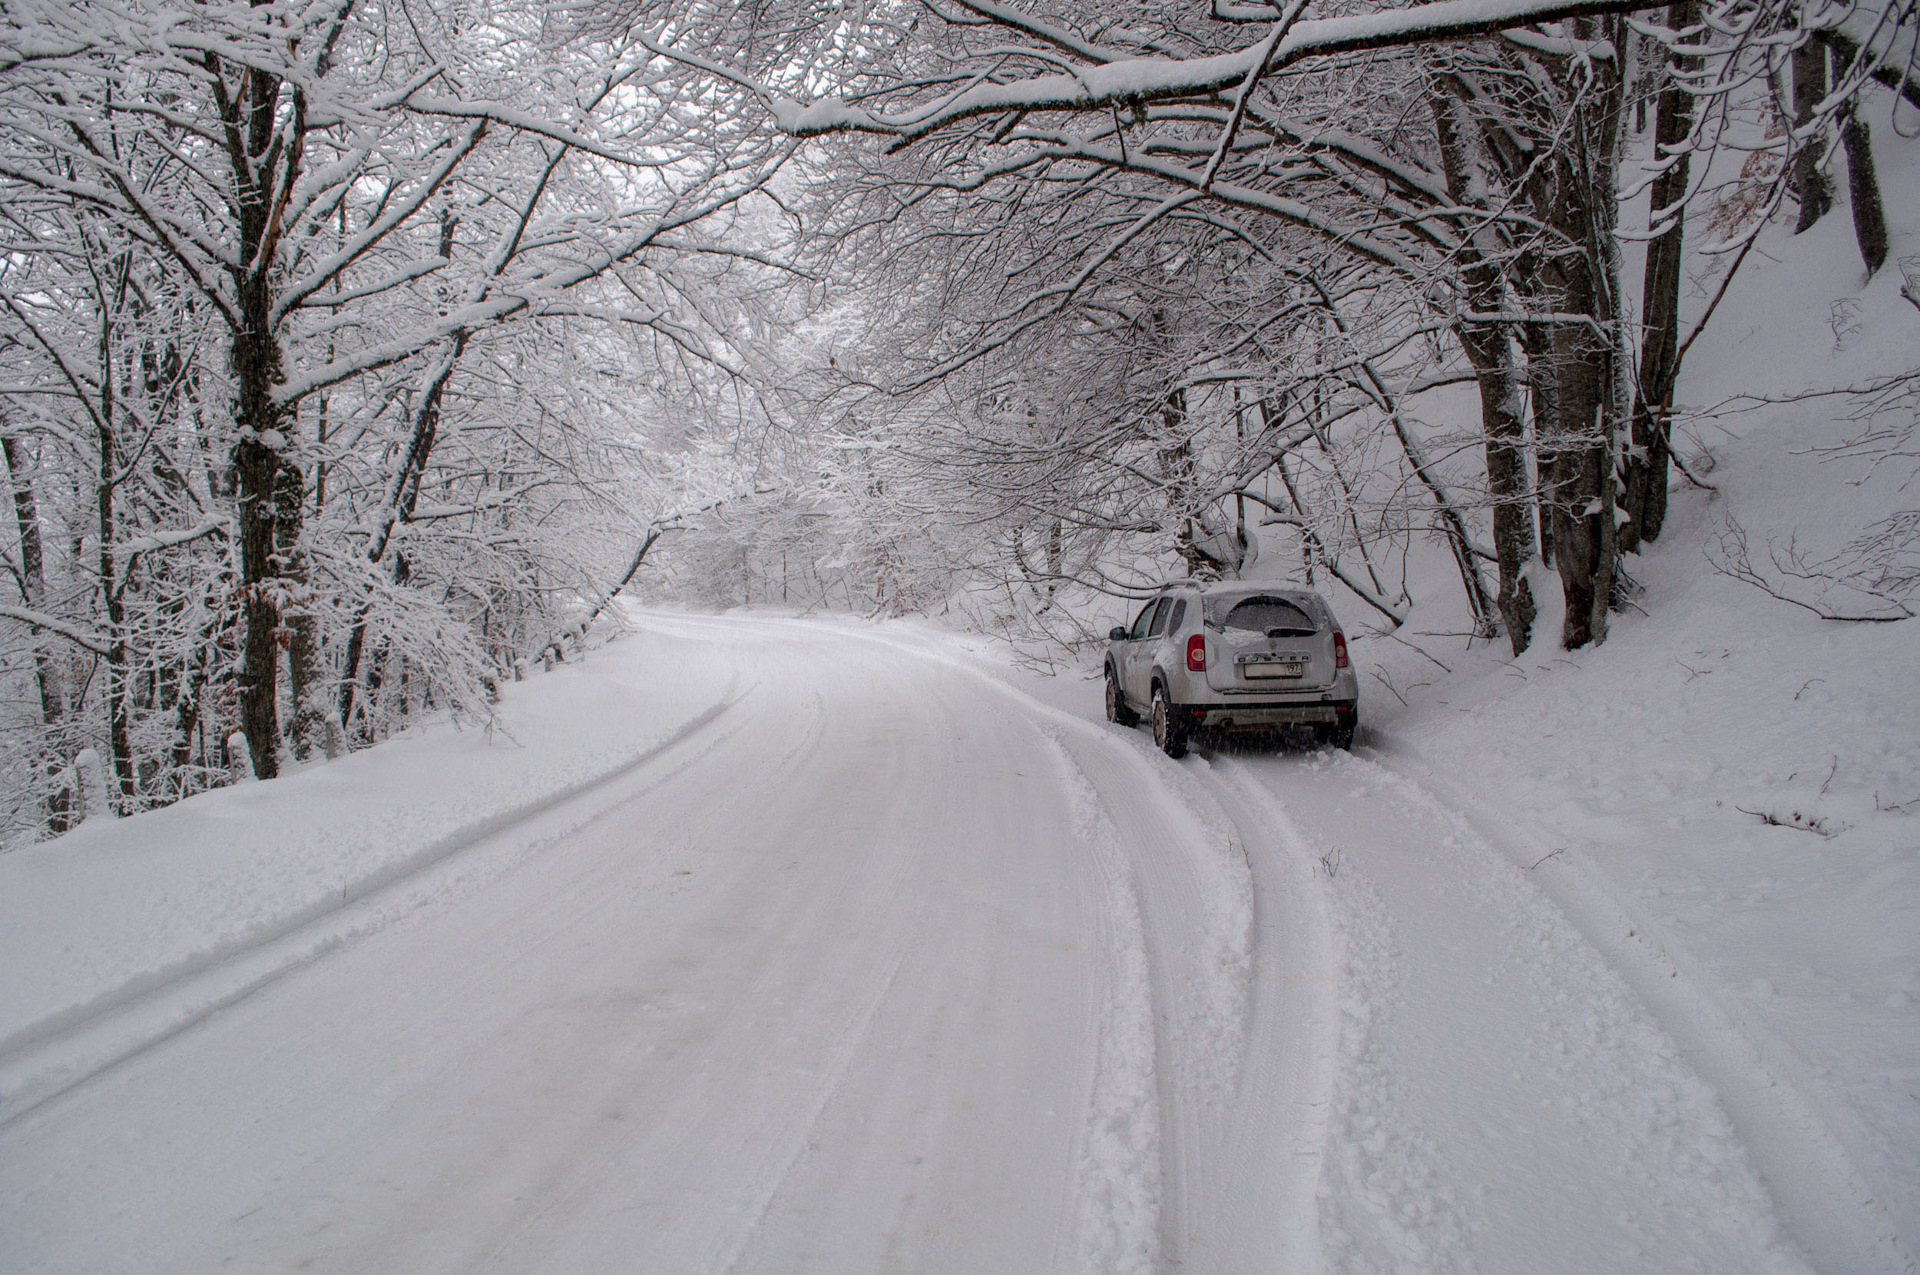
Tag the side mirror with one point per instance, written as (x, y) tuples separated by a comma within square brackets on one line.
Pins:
[(1118, 633)]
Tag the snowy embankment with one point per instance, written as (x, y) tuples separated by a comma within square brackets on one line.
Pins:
[(120, 932), (1726, 794)]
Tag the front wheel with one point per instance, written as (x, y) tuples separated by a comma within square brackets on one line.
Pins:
[(1168, 730), (1117, 711)]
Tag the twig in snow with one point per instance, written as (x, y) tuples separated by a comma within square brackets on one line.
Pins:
[(1792, 819), (1691, 671), (1687, 474), (1730, 557), (1804, 685), (1382, 678), (1331, 862), (1403, 642), (1543, 858), (1830, 774)]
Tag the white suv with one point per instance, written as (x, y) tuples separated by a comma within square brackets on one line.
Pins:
[(1232, 656)]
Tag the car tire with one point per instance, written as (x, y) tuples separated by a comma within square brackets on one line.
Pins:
[(1169, 732), (1117, 710), (1335, 736)]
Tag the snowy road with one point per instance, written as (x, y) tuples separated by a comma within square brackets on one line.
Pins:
[(886, 966)]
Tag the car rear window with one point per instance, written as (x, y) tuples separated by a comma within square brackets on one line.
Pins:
[(1263, 613)]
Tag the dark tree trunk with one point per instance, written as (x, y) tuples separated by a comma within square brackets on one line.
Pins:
[(1810, 184), (1507, 485), (1863, 193), (256, 466), (1543, 389), (1490, 350), (1579, 481), (1177, 468), (119, 711), (403, 495), (307, 728), (1645, 480), (256, 471), (33, 592), (264, 166)]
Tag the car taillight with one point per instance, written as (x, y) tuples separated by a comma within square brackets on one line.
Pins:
[(1339, 649), (1197, 653)]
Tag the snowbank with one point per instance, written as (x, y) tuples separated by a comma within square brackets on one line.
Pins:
[(115, 910)]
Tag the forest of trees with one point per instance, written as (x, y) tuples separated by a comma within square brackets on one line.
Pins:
[(356, 351)]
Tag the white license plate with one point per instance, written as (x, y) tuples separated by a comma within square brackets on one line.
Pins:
[(1276, 669)]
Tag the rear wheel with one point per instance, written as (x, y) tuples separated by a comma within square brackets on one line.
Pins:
[(1168, 730), (1117, 711), (1337, 735)]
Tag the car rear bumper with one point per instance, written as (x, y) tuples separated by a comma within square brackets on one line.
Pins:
[(1269, 715)]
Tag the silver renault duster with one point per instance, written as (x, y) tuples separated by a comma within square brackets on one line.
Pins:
[(1232, 656)]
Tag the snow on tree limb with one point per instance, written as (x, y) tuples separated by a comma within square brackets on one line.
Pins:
[(98, 643), (172, 539), (1131, 81)]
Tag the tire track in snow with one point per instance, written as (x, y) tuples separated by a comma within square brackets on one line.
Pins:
[(1181, 898), (45, 1068), (1827, 1202), (793, 1144), (1193, 892), (1273, 1150), (1502, 1091), (1120, 1184)]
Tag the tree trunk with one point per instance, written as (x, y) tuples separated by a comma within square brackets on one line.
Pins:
[(33, 592), (1501, 419), (257, 466), (1645, 495), (403, 494), (1809, 182), (119, 712), (1490, 350), (1580, 477), (1863, 193), (307, 729), (256, 470), (252, 116)]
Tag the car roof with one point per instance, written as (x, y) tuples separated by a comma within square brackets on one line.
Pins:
[(1237, 588)]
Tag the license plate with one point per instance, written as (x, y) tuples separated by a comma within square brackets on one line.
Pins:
[(1275, 668)]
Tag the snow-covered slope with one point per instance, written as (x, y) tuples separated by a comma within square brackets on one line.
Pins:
[(1730, 778)]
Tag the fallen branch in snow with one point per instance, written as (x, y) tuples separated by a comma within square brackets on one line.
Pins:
[(1382, 678), (1817, 824), (1730, 557), (1687, 474), (1403, 642)]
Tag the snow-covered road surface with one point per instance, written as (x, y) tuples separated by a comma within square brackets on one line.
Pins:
[(883, 965)]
